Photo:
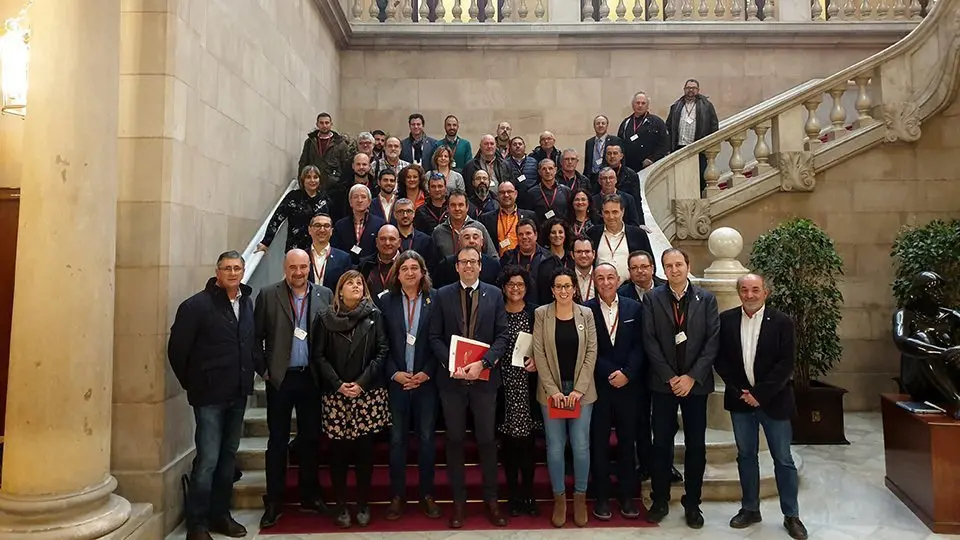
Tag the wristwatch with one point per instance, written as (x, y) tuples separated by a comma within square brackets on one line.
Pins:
[(487, 363)]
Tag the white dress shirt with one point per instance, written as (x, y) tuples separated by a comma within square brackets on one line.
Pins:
[(611, 316), (749, 334), (235, 304), (319, 262), (613, 249), (585, 282)]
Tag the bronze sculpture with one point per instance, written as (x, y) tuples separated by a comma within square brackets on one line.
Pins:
[(928, 336)]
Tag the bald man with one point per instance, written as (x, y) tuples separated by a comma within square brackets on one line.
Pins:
[(284, 314), (377, 268), (490, 161)]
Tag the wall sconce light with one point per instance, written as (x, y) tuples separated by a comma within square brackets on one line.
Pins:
[(14, 64)]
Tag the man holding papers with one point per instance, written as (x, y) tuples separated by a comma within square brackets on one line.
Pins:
[(473, 310)]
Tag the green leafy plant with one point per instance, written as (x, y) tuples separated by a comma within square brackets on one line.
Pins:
[(934, 246), (801, 264)]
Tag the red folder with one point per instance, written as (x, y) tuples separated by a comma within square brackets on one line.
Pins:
[(561, 413), (465, 351)]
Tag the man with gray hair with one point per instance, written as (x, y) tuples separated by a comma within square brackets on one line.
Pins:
[(569, 176), (365, 144), (489, 160), (644, 135), (470, 236)]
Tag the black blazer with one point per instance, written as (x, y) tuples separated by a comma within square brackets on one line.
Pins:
[(627, 289), (703, 339), (632, 213), (489, 222), (446, 271), (772, 368), (588, 152), (338, 263), (627, 354), (422, 243), (344, 237), (395, 317), (491, 328), (636, 237)]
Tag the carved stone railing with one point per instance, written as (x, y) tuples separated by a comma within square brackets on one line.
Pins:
[(781, 144)]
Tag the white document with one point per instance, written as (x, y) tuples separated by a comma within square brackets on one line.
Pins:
[(523, 347)]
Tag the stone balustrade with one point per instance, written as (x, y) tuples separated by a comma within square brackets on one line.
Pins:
[(870, 10)]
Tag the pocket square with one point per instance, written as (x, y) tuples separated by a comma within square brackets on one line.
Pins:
[(628, 321)]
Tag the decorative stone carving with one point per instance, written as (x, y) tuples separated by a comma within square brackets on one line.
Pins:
[(902, 120), (796, 171), (692, 218)]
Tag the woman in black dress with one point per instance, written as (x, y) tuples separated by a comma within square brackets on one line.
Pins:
[(521, 419), (296, 208), (349, 349)]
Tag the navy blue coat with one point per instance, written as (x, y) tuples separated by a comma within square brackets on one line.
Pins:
[(627, 354), (422, 243), (338, 263), (395, 316), (344, 237)]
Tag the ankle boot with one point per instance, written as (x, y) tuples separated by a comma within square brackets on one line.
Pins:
[(580, 509), (559, 518)]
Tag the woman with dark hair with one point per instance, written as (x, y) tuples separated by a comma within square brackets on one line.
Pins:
[(412, 184), (520, 418), (296, 208), (565, 351), (580, 212), (557, 238), (349, 350)]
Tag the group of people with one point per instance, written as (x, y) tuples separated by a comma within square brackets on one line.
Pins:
[(356, 338)]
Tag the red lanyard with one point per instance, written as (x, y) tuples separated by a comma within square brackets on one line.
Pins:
[(411, 311), (437, 218), (549, 203), (529, 263), (359, 232), (616, 321), (402, 240), (578, 230), (635, 126), (323, 270), (293, 308), (384, 279), (677, 316), (589, 289), (455, 236), (613, 251)]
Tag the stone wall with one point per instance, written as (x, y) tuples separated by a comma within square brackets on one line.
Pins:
[(562, 90), (862, 203), (216, 97)]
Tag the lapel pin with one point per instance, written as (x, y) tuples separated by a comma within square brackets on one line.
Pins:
[(580, 327), (697, 297)]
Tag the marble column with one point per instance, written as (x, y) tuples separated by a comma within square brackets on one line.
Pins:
[(56, 466)]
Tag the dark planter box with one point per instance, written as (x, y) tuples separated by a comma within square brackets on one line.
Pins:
[(819, 417)]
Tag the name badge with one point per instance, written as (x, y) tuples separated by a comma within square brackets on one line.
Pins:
[(300, 333), (634, 137), (453, 165), (599, 161), (355, 250), (411, 339), (521, 178), (689, 120), (679, 338), (549, 214), (505, 243)]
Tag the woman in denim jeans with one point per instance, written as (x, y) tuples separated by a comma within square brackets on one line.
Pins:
[(565, 351)]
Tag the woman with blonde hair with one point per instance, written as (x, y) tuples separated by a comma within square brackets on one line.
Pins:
[(349, 350)]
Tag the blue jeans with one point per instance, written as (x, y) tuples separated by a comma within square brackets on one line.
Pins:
[(417, 408), (746, 431), (211, 481), (556, 430)]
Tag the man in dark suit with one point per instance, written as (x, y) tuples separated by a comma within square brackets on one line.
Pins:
[(410, 371), (327, 263), (595, 148), (474, 310), (644, 135), (643, 275), (756, 361), (418, 147), (529, 255), (411, 238), (617, 373), (681, 329), (446, 271), (357, 233), (283, 315), (615, 240), (502, 223), (632, 209)]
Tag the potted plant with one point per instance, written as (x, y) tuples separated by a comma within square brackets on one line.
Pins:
[(802, 265), (934, 246)]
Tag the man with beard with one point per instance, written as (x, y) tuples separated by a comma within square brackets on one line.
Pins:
[(503, 139), (691, 118), (628, 180), (488, 160), (418, 147), (460, 148), (379, 139), (391, 158), (382, 206), (481, 201), (325, 149)]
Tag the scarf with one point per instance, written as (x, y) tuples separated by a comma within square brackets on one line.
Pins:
[(346, 321)]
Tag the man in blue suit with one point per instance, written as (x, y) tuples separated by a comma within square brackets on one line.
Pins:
[(474, 310), (418, 147), (410, 370), (620, 359), (411, 238), (327, 263)]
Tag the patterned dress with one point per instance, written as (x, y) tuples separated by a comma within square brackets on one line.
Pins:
[(296, 209), (518, 417), (351, 418)]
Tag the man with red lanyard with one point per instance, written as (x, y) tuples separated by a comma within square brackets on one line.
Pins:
[(615, 240), (548, 198), (326, 261), (411, 238), (357, 233), (619, 366), (502, 223), (378, 268), (528, 255), (644, 135), (583, 257), (434, 210)]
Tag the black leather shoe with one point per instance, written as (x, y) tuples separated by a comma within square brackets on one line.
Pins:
[(795, 528), (343, 518), (675, 476), (745, 518), (314, 506), (694, 517), (227, 526), (430, 508), (271, 513), (601, 510), (457, 516), (658, 511), (628, 509), (515, 506), (363, 516), (530, 507), (198, 535)]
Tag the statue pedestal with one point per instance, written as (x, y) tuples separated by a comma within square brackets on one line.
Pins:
[(922, 454)]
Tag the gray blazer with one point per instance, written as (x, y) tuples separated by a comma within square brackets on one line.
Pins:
[(703, 338), (273, 319), (545, 352)]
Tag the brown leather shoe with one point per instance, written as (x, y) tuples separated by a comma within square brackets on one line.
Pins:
[(559, 517), (199, 535), (228, 526), (430, 508), (394, 509), (456, 518), (493, 514), (580, 514)]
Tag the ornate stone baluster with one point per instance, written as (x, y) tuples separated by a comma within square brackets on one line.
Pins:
[(686, 10), (522, 11), (603, 13), (712, 173), (704, 10), (752, 10), (736, 9), (737, 163), (638, 11), (356, 10), (899, 9), (816, 10), (914, 10), (883, 9), (669, 10), (863, 103), (374, 10), (407, 11), (488, 12), (761, 152), (720, 10), (457, 11), (440, 12), (424, 11), (833, 11), (473, 11), (865, 10), (539, 11), (812, 126), (838, 115), (391, 11), (506, 11), (621, 11), (768, 11), (849, 9), (587, 12), (653, 10)]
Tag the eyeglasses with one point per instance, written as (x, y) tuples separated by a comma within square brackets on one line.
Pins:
[(582, 251), (641, 267), (469, 262), (403, 211), (321, 226), (230, 269), (563, 287), (690, 88), (515, 285)]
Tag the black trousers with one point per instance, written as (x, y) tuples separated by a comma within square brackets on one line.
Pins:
[(298, 391), (614, 408), (644, 433), (518, 462), (693, 408), (482, 401), (343, 452)]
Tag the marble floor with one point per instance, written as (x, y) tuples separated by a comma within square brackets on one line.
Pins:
[(842, 497)]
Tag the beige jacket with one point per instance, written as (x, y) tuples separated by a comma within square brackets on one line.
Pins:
[(545, 353)]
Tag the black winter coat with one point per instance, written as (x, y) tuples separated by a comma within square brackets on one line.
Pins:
[(356, 355)]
